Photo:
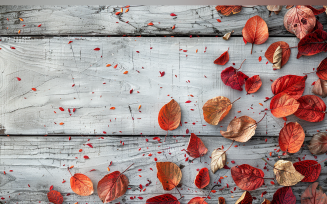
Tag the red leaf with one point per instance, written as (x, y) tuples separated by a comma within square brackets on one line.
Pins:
[(314, 195), (97, 49), (196, 147), (293, 85), (55, 197), (291, 137), (172, 14), (311, 108), (233, 78), (253, 84), (223, 59), (283, 105), (322, 69), (246, 198), (318, 26), (197, 200), (202, 179), (308, 168), (316, 11), (284, 195), (18, 78), (313, 43), (247, 177), (163, 199)]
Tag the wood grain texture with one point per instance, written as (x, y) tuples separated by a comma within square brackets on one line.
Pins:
[(53, 66), (102, 20), (42, 161)]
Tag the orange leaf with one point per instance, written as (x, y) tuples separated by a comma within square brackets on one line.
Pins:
[(202, 179), (293, 85), (283, 105), (255, 31), (34, 89), (322, 69), (253, 84), (215, 109), (169, 116), (169, 174), (311, 108), (291, 137), (223, 59), (55, 197), (125, 72), (197, 200), (227, 10), (286, 51), (196, 147), (81, 184)]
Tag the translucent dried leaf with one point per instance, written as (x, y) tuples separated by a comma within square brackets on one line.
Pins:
[(169, 174), (81, 184), (275, 8), (169, 116), (286, 174), (218, 160), (240, 129), (325, 6), (215, 109), (318, 143), (283, 105), (314, 194), (291, 137), (277, 58), (227, 35), (245, 198), (320, 88)]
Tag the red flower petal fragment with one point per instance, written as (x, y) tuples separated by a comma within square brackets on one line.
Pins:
[(34, 89), (284, 195), (233, 78), (322, 69), (311, 108), (260, 58), (313, 43), (163, 199), (202, 179), (162, 74), (39, 25), (291, 137), (223, 59), (150, 24), (172, 14), (308, 168), (61, 108), (293, 85), (97, 49), (196, 147), (86, 157), (247, 177), (283, 105), (55, 197), (19, 79), (253, 84)]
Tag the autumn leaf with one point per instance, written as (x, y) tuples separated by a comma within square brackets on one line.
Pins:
[(163, 199), (308, 168), (283, 105), (318, 143), (247, 177), (227, 10), (221, 200), (286, 52), (284, 195), (314, 194), (223, 59), (265, 201), (233, 78), (215, 109), (286, 174), (81, 184), (299, 20), (253, 84), (197, 200), (202, 179), (316, 11), (112, 186), (169, 116), (277, 58), (313, 43), (291, 137), (275, 8), (169, 174), (320, 88), (196, 147), (311, 108), (293, 85), (55, 197), (322, 69), (218, 160), (245, 198), (255, 31)]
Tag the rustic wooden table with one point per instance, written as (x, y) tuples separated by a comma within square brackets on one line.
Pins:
[(75, 76)]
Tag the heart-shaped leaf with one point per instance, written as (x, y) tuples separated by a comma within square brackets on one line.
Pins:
[(253, 84), (169, 174), (284, 195), (218, 160), (240, 129), (197, 200), (196, 147), (320, 88), (308, 168), (55, 197), (247, 177), (283, 105), (314, 194), (318, 143), (291, 137), (286, 174), (223, 59), (313, 43), (286, 52), (169, 116), (233, 78), (300, 21), (81, 184), (245, 198), (202, 179), (163, 199), (215, 109), (227, 10), (293, 85), (311, 108), (322, 69)]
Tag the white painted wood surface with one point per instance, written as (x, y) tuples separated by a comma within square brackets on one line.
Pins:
[(42, 161), (102, 20), (52, 66)]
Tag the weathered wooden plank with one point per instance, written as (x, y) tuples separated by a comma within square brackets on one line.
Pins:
[(102, 20), (42, 161), (53, 66)]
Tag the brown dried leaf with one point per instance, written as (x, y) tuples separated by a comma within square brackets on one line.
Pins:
[(274, 7), (314, 194), (266, 201), (320, 88), (289, 6), (218, 160), (277, 59), (227, 35), (215, 109), (240, 129), (245, 198), (318, 143), (286, 174)]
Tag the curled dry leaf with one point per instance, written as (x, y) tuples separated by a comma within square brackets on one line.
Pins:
[(215, 109), (169, 116), (325, 6), (284, 195), (247, 177), (291, 137), (233, 78), (318, 143), (316, 11), (197, 200), (227, 10), (265, 201), (223, 59), (320, 88), (289, 6), (227, 35), (221, 200), (169, 174), (283, 105), (314, 194), (245, 198), (196, 147), (81, 184), (253, 84), (255, 31), (313, 43), (286, 52), (277, 58), (293, 85), (202, 179), (322, 69), (55, 197), (311, 108), (286, 174), (218, 160), (163, 199), (310, 169), (300, 21), (240, 129)]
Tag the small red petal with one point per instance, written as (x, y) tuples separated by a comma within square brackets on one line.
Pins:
[(97, 49)]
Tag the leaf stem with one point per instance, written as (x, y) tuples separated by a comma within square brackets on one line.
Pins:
[(210, 191), (268, 99), (166, 136), (179, 192), (127, 168), (308, 73), (262, 118), (241, 65), (236, 100), (69, 171), (267, 162), (252, 48)]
